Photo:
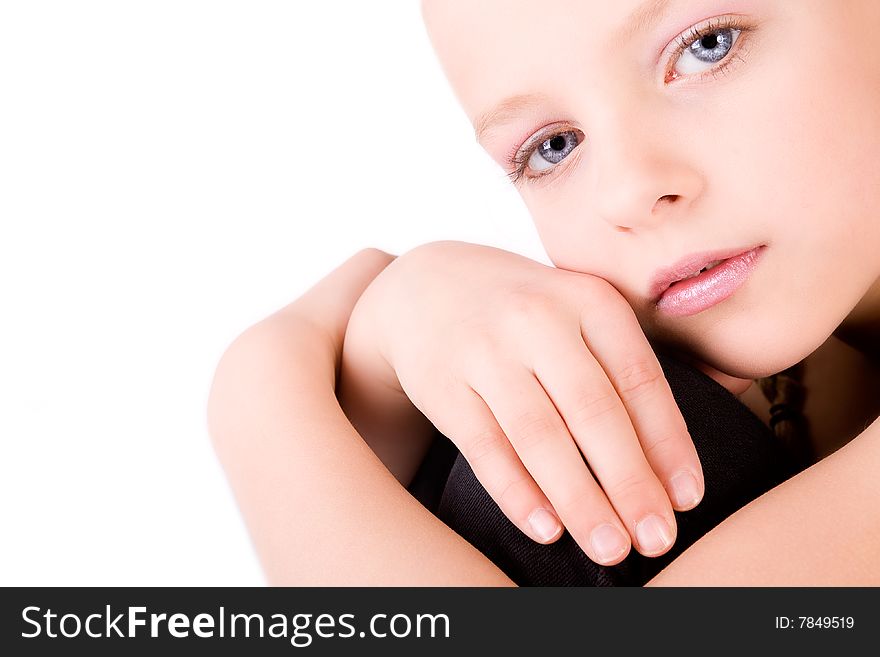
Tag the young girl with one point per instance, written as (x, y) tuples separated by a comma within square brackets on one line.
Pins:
[(703, 175)]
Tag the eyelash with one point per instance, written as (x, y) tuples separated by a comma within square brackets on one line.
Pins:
[(519, 158)]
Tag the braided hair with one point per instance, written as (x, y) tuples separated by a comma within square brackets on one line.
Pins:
[(786, 393)]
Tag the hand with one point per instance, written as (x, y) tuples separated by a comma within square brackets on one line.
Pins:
[(545, 382)]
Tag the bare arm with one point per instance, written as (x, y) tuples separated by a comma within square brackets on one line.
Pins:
[(321, 508), (820, 528)]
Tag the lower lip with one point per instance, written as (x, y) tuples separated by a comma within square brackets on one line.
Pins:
[(696, 294)]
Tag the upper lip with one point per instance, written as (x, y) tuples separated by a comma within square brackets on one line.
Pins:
[(689, 264)]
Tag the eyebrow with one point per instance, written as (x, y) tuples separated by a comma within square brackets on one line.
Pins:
[(643, 18)]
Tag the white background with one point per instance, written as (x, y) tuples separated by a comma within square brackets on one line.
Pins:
[(170, 173)]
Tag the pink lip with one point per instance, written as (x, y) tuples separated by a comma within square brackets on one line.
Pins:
[(677, 297)]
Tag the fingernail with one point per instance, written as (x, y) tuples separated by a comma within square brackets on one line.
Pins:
[(653, 534), (608, 543), (544, 524), (685, 491)]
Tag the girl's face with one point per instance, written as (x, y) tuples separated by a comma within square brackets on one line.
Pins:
[(640, 142)]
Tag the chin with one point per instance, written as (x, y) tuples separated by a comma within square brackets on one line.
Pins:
[(757, 350), (750, 356)]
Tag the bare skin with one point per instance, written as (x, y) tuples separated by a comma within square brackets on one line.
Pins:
[(272, 404), (645, 181), (526, 368), (320, 507), (670, 157)]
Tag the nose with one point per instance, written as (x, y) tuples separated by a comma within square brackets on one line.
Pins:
[(641, 172)]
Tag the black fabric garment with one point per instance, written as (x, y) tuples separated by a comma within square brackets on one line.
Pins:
[(741, 460)]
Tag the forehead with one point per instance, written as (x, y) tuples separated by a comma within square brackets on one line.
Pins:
[(494, 49)]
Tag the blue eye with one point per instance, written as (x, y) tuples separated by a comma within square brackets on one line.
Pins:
[(552, 151), (711, 48), (546, 155), (701, 48)]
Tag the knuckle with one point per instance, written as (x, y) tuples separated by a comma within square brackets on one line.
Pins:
[(595, 408), (637, 379), (525, 302), (507, 496), (663, 443), (481, 361), (577, 503), (530, 429), (482, 343), (485, 442), (601, 290), (635, 484)]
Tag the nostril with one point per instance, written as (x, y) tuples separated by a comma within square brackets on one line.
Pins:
[(666, 198)]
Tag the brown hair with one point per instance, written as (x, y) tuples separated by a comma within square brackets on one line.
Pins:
[(786, 393)]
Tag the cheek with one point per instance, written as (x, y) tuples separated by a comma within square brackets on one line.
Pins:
[(569, 236), (787, 147), (817, 139)]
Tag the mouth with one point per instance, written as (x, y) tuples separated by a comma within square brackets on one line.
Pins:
[(700, 280)]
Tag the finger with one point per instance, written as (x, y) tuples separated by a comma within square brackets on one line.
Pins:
[(598, 421), (616, 340), (473, 428), (545, 447)]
